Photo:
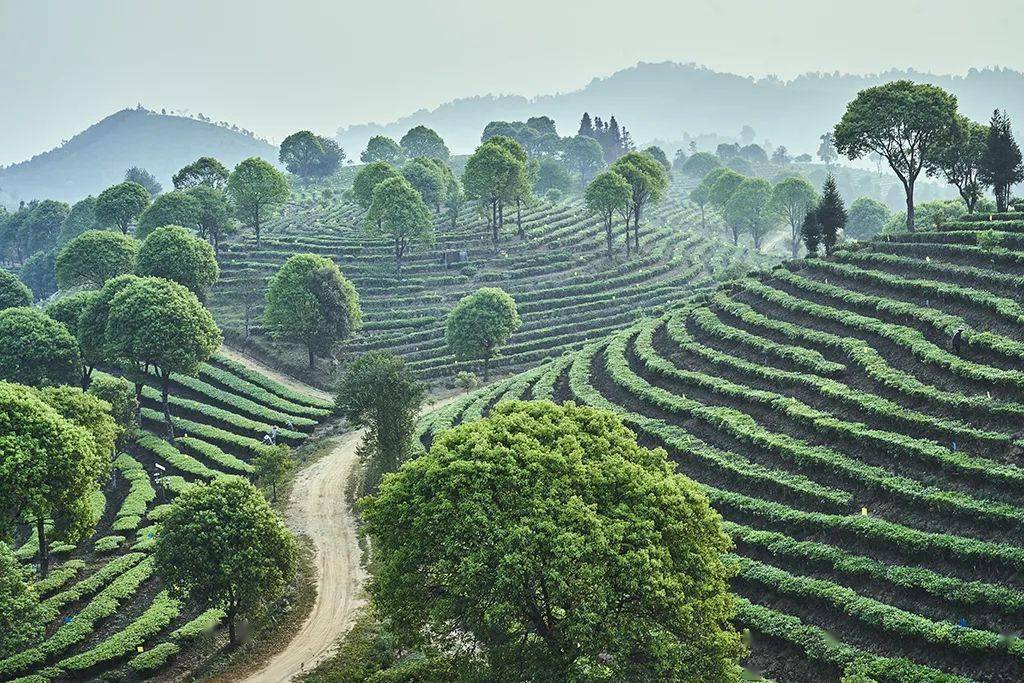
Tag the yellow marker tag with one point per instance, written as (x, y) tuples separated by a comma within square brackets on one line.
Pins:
[(863, 512), (139, 648)]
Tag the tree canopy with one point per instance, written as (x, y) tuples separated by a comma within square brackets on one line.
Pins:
[(368, 178), (204, 171), (867, 218), (648, 181), (1000, 165), (421, 141), (382, 148), (583, 155), (791, 199), (490, 173), (700, 164), (518, 536), (36, 349), (310, 302), (23, 617), (748, 207), (13, 292), (257, 190), (119, 206), (480, 324), (94, 257), (172, 252), (139, 175), (398, 212), (310, 156), (214, 220), (176, 207), (81, 218), (68, 310), (607, 194), (958, 159), (427, 178)]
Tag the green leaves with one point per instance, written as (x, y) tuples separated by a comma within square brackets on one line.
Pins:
[(120, 205), (173, 253), (480, 323), (94, 257), (35, 349)]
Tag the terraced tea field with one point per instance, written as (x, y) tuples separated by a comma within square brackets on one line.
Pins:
[(568, 291), (113, 618), (870, 476)]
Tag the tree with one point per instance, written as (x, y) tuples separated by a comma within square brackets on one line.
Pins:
[(904, 122), (748, 208), (257, 190), (92, 330), (94, 257), (659, 155), (398, 212), (368, 178), (144, 178), (700, 164), (1000, 165), (23, 617), (866, 219), (480, 324), (607, 194), (252, 285), (648, 181), (310, 302), (121, 205), (273, 465), (205, 172), (740, 165), (38, 273), (39, 230), (583, 155), (49, 469), (488, 175), (214, 220), (753, 153), (68, 311), (177, 207), (456, 201), (701, 196), (722, 183), (172, 252), (959, 159), (124, 407), (791, 199), (13, 292), (424, 142), (552, 174), (780, 155), (159, 323), (547, 540), (586, 128), (831, 215), (221, 545), (382, 148), (310, 156), (81, 218), (827, 149), (519, 182), (35, 349), (810, 232), (380, 393), (427, 179)]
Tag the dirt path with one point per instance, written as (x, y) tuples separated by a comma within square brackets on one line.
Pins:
[(318, 508)]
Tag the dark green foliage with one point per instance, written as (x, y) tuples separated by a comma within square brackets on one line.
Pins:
[(172, 252), (68, 311), (22, 617), (368, 178), (583, 156), (273, 467), (35, 349), (424, 142), (310, 156), (810, 232), (425, 175), (204, 171), (39, 273), (382, 148), (866, 219), (1000, 165), (257, 191), (81, 218), (831, 215), (121, 205), (214, 220), (552, 175), (648, 181), (118, 392), (92, 325), (480, 324), (959, 159), (144, 178), (398, 212), (606, 195), (174, 208), (221, 545), (700, 164), (13, 291), (380, 393), (40, 228), (659, 155), (94, 257)]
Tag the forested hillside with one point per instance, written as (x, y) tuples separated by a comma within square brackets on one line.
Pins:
[(857, 423)]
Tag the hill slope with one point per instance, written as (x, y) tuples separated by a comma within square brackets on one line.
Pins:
[(97, 157), (661, 101), (869, 476), (567, 290)]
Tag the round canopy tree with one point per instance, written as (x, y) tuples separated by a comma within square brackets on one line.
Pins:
[(68, 311), (647, 180), (257, 191), (119, 206), (35, 349), (867, 218), (398, 212), (92, 327), (545, 538), (94, 257), (174, 208), (81, 218), (222, 545), (310, 156), (13, 292), (424, 142), (607, 194), (700, 164), (172, 252), (215, 220), (204, 171), (382, 148), (158, 323), (748, 207), (310, 302), (791, 199), (368, 178), (480, 324), (23, 617)]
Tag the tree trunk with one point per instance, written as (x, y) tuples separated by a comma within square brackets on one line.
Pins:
[(636, 230), (138, 401), (735, 237), (608, 232), (231, 629), (629, 246), (165, 385), (311, 359), (44, 553), (257, 231), (86, 377), (794, 243), (909, 187), (487, 367), (757, 241)]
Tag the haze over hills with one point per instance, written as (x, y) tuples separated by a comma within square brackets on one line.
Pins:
[(98, 156), (664, 100)]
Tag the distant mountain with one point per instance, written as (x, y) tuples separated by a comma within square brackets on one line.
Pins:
[(98, 156), (666, 100)]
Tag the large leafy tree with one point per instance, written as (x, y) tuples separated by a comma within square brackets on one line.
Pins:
[(547, 541), (552, 175), (382, 148), (480, 324), (139, 175), (124, 407), (749, 208), (583, 155), (121, 205), (368, 178), (904, 122), (659, 155), (421, 141), (172, 252), (257, 190), (92, 330), (488, 175), (958, 159), (222, 545), (722, 183), (38, 273), (606, 195), (701, 196), (13, 292), (518, 184), (68, 311), (791, 199), (700, 164), (648, 181), (1000, 165), (81, 218), (214, 221), (49, 467), (39, 230), (310, 156), (205, 171), (398, 212), (157, 323), (94, 257), (867, 218), (428, 179), (36, 349), (379, 392), (23, 617), (176, 207), (310, 302)]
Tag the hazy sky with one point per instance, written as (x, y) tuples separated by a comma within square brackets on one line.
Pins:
[(275, 66)]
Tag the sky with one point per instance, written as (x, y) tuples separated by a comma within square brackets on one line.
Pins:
[(276, 66)]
